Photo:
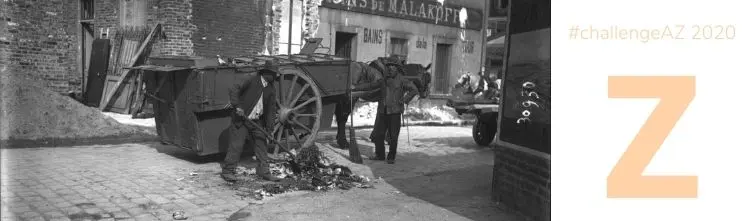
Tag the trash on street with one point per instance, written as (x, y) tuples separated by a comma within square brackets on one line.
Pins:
[(179, 215), (315, 172)]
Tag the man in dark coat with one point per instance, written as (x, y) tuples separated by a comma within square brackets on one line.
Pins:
[(396, 91), (252, 100), (383, 64)]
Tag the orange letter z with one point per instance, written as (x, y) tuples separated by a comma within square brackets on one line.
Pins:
[(626, 179)]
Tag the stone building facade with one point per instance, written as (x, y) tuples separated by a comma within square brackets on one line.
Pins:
[(419, 31), (48, 40)]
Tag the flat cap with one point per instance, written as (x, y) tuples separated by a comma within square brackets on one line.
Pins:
[(270, 67)]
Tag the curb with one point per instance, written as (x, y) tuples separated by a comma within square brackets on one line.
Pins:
[(72, 142)]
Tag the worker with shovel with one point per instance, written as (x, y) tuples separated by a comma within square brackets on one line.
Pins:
[(253, 102)]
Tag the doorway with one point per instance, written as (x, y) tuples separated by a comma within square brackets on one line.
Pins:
[(441, 71), (344, 44), (87, 38)]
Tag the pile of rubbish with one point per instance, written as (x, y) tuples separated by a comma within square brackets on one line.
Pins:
[(311, 171)]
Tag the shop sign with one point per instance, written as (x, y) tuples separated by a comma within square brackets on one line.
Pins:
[(373, 36), (421, 43), (427, 11)]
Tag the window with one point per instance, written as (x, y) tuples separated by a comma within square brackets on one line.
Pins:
[(133, 12), (296, 25), (498, 8), (499, 4), (399, 48), (87, 9)]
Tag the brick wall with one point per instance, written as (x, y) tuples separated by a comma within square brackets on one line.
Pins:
[(193, 27), (176, 18), (229, 27), (40, 40), (106, 15), (522, 182)]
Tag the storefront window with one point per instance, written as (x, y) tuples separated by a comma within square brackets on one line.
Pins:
[(399, 48)]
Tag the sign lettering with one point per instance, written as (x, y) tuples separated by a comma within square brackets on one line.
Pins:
[(414, 10), (421, 43), (626, 179), (373, 36)]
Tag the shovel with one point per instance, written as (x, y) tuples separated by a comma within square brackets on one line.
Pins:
[(294, 165)]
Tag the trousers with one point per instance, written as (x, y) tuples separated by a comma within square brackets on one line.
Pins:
[(388, 124), (240, 133)]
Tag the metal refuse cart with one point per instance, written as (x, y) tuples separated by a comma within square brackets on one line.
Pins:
[(190, 97)]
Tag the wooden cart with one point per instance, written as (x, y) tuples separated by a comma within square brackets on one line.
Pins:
[(191, 97)]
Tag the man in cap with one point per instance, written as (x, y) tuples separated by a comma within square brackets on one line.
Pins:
[(396, 92), (252, 100)]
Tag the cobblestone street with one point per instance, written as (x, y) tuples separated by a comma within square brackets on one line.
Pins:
[(133, 181), (151, 181)]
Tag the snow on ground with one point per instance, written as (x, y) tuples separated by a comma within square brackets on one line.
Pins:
[(364, 115), (127, 119)]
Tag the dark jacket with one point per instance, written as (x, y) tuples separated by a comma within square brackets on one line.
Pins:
[(394, 94), (245, 95)]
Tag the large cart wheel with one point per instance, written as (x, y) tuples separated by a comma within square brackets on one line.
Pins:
[(299, 110), (484, 132)]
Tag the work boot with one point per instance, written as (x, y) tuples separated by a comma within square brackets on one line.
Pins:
[(391, 158), (228, 176), (343, 144)]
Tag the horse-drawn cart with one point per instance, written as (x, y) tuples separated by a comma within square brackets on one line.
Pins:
[(191, 97), (486, 117)]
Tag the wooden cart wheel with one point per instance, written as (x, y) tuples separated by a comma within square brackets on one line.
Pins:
[(299, 110), (484, 132)]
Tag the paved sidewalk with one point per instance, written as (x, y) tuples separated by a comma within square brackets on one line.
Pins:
[(122, 182), (442, 174)]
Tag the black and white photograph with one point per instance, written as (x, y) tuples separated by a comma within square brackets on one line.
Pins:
[(275, 110)]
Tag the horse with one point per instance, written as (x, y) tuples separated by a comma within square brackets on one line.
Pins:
[(362, 73)]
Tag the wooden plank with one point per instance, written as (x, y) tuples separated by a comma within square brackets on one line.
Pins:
[(116, 53), (122, 101), (139, 100), (126, 75)]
